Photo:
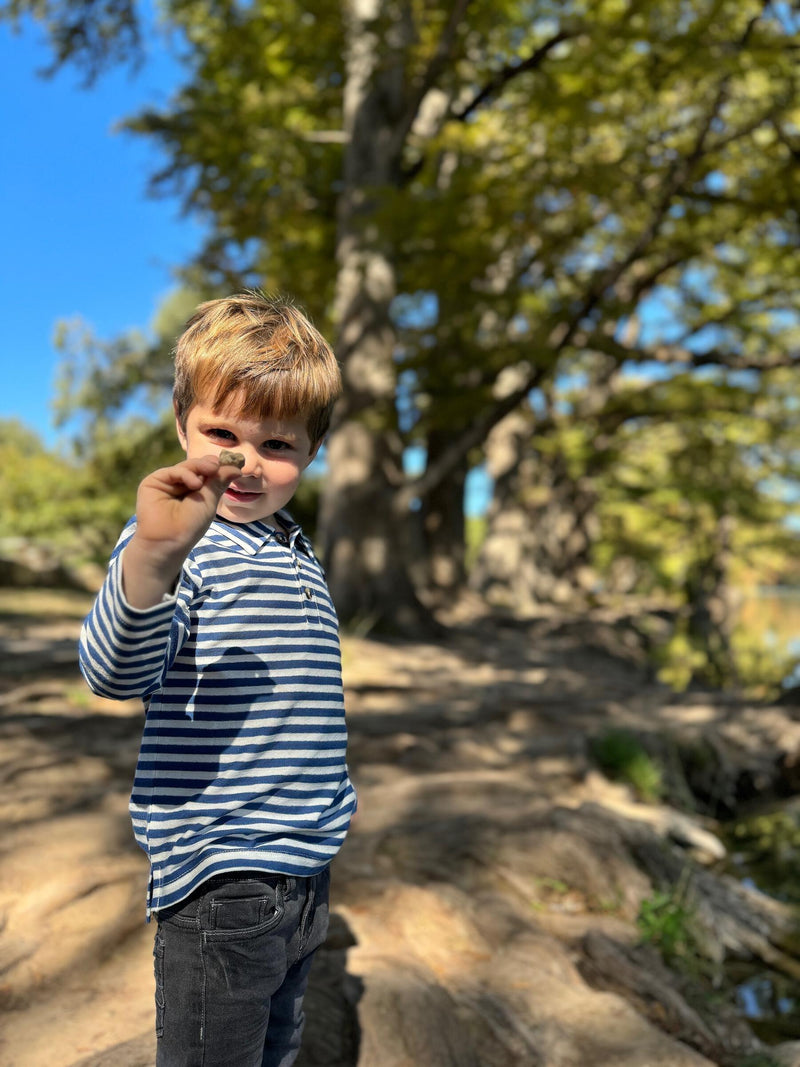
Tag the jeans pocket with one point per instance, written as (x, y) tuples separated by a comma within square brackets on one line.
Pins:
[(158, 969), (243, 917)]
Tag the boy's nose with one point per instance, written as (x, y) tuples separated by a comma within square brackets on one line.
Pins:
[(252, 464)]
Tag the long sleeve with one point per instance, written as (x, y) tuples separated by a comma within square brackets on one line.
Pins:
[(242, 764), (124, 651)]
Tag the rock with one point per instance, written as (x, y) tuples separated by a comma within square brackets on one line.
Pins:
[(686, 832), (734, 919), (638, 973), (786, 1054), (467, 980), (234, 459)]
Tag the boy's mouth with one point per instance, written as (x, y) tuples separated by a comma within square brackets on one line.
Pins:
[(240, 496)]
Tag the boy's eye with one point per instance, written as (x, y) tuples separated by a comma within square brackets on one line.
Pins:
[(274, 445), (223, 435)]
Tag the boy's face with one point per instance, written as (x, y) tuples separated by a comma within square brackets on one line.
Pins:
[(276, 452)]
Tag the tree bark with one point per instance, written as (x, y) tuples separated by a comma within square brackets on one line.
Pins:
[(541, 524), (711, 609), (443, 522), (366, 543)]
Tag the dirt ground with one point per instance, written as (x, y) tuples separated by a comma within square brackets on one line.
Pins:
[(483, 856)]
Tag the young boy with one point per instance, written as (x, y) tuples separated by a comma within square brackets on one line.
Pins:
[(215, 611)]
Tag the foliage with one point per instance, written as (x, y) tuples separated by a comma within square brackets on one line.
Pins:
[(677, 473), (475, 536), (667, 921), (678, 659), (692, 482), (764, 639), (620, 755), (44, 494), (759, 1059), (759, 667), (119, 393), (305, 503), (600, 196), (768, 847)]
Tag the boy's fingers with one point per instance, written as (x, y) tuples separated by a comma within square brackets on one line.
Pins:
[(204, 465), (176, 477), (210, 469), (191, 475), (222, 475)]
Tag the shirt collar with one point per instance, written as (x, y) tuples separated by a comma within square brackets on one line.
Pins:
[(252, 536)]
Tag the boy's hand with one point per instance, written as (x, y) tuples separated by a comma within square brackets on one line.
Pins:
[(174, 508)]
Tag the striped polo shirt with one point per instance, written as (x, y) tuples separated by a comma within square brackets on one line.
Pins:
[(242, 763)]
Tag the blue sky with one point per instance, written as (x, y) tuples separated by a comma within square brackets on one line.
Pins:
[(80, 235)]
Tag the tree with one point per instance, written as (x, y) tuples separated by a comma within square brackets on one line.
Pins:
[(534, 172), (48, 496), (687, 225), (696, 502)]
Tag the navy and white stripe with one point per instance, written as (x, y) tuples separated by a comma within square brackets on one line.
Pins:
[(242, 763)]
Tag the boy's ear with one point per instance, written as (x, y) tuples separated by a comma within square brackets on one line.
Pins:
[(312, 455), (179, 429)]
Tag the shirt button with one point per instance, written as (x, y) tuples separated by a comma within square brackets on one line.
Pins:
[(308, 593), (281, 538)]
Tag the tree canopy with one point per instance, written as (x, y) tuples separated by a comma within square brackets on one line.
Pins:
[(582, 213)]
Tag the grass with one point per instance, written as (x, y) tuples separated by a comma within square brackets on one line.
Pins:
[(668, 921), (665, 921), (622, 757)]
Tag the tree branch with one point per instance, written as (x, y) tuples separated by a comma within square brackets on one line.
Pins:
[(438, 61), (512, 70), (618, 405), (605, 279), (94, 35), (474, 435), (674, 355), (677, 177)]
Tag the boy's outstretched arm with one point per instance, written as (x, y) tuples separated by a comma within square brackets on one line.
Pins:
[(133, 629), (174, 508)]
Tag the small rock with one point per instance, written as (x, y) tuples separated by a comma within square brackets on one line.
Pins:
[(234, 459)]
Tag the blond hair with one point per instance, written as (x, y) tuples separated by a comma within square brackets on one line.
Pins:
[(264, 350)]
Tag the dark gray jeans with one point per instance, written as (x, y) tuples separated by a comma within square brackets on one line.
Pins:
[(231, 966)]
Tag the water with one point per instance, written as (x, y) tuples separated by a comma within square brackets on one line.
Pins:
[(770, 617), (765, 855), (768, 1001), (765, 847)]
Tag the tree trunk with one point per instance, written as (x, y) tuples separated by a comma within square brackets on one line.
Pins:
[(711, 608), (366, 543), (444, 535), (541, 524)]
